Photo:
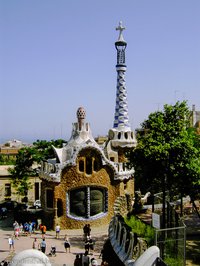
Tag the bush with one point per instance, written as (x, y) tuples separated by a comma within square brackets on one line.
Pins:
[(141, 229), (173, 261)]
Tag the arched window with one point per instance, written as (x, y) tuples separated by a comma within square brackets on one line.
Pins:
[(89, 160), (95, 165), (86, 202), (88, 166), (81, 166)]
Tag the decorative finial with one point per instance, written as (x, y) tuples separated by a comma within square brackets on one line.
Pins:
[(120, 28)]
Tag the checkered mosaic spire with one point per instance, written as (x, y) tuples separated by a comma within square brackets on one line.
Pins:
[(121, 119)]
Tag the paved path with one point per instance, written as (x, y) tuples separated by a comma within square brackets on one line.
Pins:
[(75, 236)]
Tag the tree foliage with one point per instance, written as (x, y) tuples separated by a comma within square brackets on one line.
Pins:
[(27, 163), (22, 170), (167, 154)]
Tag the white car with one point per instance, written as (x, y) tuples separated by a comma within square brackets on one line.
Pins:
[(37, 204)]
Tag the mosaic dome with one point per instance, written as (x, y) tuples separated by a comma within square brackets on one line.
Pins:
[(81, 113)]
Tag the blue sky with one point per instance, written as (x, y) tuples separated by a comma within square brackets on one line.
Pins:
[(58, 55)]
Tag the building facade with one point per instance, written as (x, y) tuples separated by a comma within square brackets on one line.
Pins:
[(8, 191), (86, 180)]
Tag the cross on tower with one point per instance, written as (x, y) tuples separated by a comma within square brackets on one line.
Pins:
[(120, 28)]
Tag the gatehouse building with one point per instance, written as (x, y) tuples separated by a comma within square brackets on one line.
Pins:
[(87, 181)]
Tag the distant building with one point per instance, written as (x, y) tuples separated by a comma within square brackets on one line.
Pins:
[(87, 179), (8, 153), (8, 192), (10, 149), (195, 119)]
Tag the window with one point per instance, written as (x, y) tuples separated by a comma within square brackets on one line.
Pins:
[(88, 166), (7, 190), (49, 198), (86, 202), (37, 190), (89, 161), (81, 166)]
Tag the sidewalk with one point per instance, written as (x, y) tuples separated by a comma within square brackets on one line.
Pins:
[(75, 236)]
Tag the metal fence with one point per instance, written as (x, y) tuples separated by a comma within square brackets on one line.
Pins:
[(171, 239), (172, 243)]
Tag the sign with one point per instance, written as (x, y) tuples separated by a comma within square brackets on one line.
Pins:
[(156, 220)]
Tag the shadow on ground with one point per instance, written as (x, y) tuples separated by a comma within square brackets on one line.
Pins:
[(193, 250)]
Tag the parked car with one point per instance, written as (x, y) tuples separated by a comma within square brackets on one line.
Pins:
[(21, 207), (3, 212), (37, 204), (9, 205)]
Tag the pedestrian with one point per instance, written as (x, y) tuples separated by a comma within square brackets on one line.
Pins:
[(85, 232), (11, 243), (86, 259), (91, 244), (17, 232), (30, 228), (33, 223), (88, 230), (67, 244), (57, 231), (87, 244), (15, 224), (35, 244), (43, 230), (77, 261), (26, 228), (43, 245), (21, 229)]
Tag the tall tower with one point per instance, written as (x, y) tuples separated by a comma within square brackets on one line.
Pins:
[(121, 135)]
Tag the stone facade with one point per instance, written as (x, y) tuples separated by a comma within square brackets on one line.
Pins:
[(72, 179)]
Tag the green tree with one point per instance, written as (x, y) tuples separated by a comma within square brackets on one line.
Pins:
[(43, 149), (22, 171), (28, 160), (167, 154)]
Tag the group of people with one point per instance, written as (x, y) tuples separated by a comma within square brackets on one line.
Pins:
[(84, 260), (39, 245), (89, 242), (27, 228)]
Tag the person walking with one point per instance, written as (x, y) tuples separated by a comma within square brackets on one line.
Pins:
[(21, 229), (86, 259), (43, 229), (11, 243), (77, 261), (35, 244), (30, 228), (57, 231), (67, 244), (87, 244), (43, 245)]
